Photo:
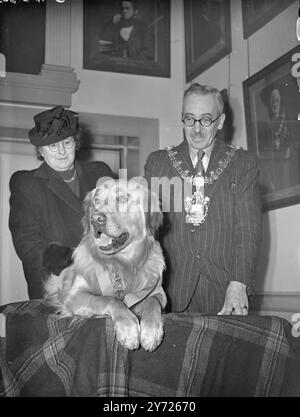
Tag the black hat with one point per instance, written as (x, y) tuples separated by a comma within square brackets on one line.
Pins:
[(53, 125)]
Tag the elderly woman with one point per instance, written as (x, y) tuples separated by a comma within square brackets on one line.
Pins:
[(46, 203)]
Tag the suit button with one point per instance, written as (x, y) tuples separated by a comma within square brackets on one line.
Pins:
[(198, 256)]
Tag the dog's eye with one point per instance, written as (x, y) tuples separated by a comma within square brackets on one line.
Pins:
[(101, 219)]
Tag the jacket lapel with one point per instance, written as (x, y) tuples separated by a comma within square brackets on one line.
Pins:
[(183, 151), (59, 188), (217, 154)]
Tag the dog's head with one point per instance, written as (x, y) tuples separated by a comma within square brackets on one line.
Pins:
[(119, 215)]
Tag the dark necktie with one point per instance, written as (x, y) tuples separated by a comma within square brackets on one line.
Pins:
[(199, 168)]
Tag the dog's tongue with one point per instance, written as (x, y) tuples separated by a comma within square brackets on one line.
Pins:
[(104, 240), (108, 243)]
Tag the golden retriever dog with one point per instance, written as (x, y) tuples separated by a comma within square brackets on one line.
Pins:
[(117, 267)]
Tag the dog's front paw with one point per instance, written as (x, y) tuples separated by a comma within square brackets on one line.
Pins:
[(152, 332), (127, 330)]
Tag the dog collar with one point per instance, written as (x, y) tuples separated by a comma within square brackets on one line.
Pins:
[(133, 298), (114, 287), (118, 287)]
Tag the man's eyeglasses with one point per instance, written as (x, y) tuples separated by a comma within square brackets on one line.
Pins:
[(205, 121), (68, 144)]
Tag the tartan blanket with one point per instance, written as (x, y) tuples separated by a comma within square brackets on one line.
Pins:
[(200, 356)]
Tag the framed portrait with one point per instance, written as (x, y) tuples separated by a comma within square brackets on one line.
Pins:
[(22, 36), (207, 34), (272, 106), (256, 13), (130, 37)]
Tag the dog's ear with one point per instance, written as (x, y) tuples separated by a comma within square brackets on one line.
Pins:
[(154, 216), (148, 201), (87, 208), (154, 221)]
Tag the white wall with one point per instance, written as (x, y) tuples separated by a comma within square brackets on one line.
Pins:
[(14, 155)]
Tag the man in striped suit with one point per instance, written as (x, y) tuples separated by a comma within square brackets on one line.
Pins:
[(211, 243)]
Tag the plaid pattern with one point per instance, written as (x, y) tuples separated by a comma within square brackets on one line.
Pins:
[(201, 356)]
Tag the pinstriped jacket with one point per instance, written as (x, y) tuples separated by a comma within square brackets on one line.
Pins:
[(225, 246)]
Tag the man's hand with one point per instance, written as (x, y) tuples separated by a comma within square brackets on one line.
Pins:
[(236, 299)]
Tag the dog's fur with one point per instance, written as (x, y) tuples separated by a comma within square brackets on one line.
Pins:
[(118, 255)]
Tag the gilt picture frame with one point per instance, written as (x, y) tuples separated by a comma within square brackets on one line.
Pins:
[(114, 41), (272, 113), (207, 34), (257, 13)]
